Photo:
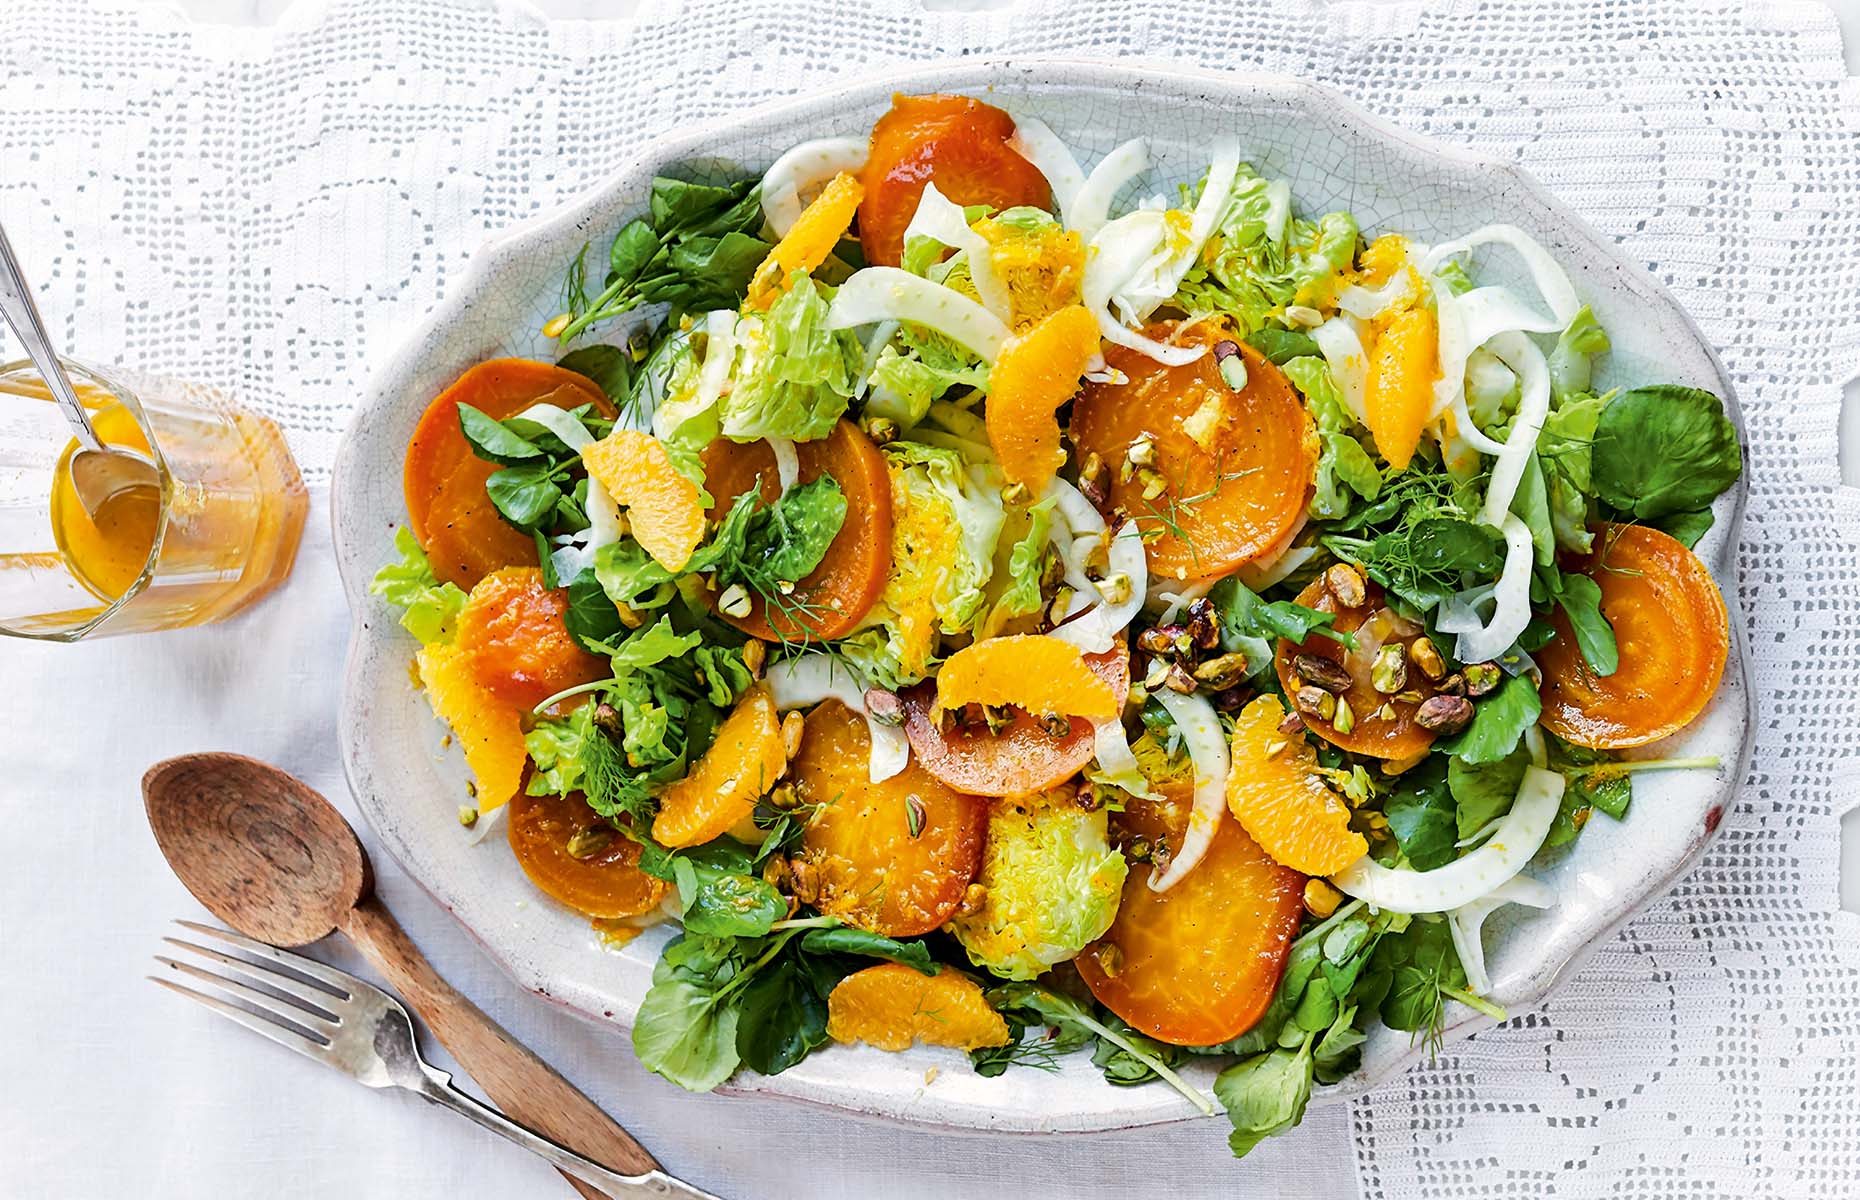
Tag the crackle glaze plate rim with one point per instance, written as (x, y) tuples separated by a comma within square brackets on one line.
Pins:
[(408, 785)]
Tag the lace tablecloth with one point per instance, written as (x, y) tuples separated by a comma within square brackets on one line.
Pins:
[(266, 210)]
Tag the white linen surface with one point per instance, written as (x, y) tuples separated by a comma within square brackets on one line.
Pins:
[(266, 210)]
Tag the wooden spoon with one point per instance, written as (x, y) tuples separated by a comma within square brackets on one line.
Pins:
[(273, 859)]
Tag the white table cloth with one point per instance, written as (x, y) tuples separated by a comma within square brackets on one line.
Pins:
[(267, 209)]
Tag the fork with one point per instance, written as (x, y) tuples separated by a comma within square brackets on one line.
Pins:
[(352, 1025)]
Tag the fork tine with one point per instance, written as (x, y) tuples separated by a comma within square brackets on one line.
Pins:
[(257, 1024), (281, 1009), (308, 993), (339, 982)]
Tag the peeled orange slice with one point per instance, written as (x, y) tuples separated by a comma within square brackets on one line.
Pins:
[(809, 240), (1273, 788), (891, 1006), (666, 510), (1400, 395), (489, 730), (743, 762), (1033, 375), (1027, 670)]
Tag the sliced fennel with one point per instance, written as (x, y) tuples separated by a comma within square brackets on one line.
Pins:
[(812, 678), (605, 525), (1473, 875), (1096, 631), (808, 164), (1467, 921), (1207, 751), (1348, 361), (1091, 204), (787, 462), (1117, 762), (877, 294), (1035, 141), (941, 220), (1484, 639), (1527, 362)]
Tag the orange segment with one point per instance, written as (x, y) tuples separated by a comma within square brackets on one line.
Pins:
[(666, 510), (1042, 270), (809, 241), (744, 762), (1027, 670), (1400, 393), (1275, 791), (892, 1005), (1035, 374), (511, 629), (489, 730)]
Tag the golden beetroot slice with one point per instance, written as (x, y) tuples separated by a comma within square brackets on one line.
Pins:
[(1024, 756), (579, 859), (957, 143), (1278, 797), (720, 792), (512, 633), (664, 509), (1379, 725), (809, 242), (1031, 671), (1235, 469), (894, 857), (1195, 965), (447, 507), (1035, 374), (1671, 634), (893, 1006), (834, 598)]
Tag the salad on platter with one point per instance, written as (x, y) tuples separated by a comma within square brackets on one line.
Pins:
[(983, 603)]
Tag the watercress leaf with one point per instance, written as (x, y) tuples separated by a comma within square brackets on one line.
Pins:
[(1664, 449), (1317, 1007), (590, 617), (1126, 1069), (1499, 721), (610, 367), (526, 495), (678, 205), (1243, 615), (783, 1018), (632, 252), (1339, 1051), (711, 272), (1281, 346), (1581, 601), (492, 441), (722, 903), (1483, 792), (1265, 1095), (843, 939), (1687, 527), (429, 608), (1420, 814), (1421, 961), (686, 1026)]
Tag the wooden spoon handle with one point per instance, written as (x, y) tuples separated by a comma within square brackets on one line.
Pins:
[(524, 1086)]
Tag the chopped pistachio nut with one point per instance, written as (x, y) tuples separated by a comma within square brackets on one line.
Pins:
[(1345, 720), (1346, 583), (734, 602), (1142, 452), (1423, 654), (468, 816), (1154, 485), (1389, 672), (1321, 899)]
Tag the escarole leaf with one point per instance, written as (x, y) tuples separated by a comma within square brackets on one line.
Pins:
[(428, 608), (1662, 450)]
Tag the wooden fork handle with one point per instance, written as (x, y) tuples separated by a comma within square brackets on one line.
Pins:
[(526, 1088)]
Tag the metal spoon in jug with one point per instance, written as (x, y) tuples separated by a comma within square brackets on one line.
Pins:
[(98, 472)]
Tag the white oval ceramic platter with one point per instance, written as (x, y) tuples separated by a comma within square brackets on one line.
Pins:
[(1335, 155)]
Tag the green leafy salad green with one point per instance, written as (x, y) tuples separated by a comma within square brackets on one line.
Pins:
[(1164, 630)]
